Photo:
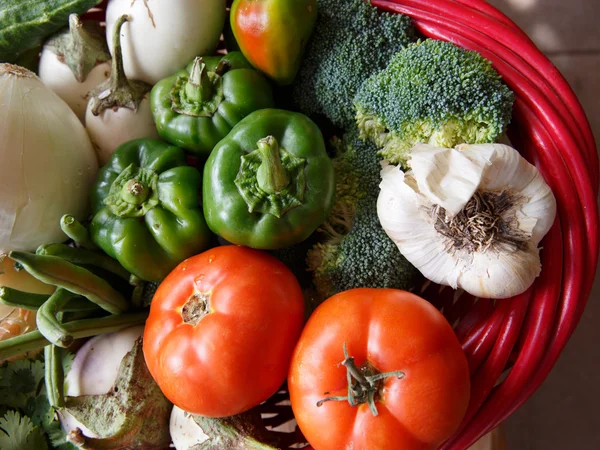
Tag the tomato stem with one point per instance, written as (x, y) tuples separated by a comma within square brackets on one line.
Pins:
[(363, 384)]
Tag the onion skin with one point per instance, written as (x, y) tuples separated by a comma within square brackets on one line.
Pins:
[(47, 162)]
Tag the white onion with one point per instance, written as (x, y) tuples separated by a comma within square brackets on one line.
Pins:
[(47, 162)]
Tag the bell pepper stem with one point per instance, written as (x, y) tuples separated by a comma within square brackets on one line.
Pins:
[(199, 87), (271, 176), (135, 192)]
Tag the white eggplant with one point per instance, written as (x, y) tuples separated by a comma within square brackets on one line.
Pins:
[(74, 61), (119, 109), (164, 35)]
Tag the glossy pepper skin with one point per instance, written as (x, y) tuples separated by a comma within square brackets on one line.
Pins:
[(270, 183), (198, 106), (147, 208), (272, 34)]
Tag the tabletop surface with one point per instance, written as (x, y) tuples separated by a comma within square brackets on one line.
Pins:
[(563, 414)]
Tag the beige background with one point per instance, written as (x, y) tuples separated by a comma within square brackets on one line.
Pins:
[(564, 413)]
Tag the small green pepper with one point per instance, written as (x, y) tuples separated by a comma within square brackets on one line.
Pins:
[(269, 184), (147, 209), (197, 107)]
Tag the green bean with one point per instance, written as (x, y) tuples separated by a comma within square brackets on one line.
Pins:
[(61, 273), (34, 340), (28, 300), (54, 376), (19, 299), (84, 256), (47, 322), (76, 231)]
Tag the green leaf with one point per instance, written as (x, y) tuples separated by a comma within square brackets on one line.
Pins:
[(57, 436), (19, 433), (20, 380)]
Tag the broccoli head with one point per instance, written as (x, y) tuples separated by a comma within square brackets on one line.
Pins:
[(357, 252), (432, 92), (351, 41)]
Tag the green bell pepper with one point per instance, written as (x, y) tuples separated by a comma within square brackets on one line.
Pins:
[(270, 183), (147, 209), (198, 106)]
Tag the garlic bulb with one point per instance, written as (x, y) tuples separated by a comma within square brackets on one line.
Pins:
[(469, 217)]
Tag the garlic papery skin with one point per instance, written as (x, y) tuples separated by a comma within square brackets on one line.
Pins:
[(469, 217)]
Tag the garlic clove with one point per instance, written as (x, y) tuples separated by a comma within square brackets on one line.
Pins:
[(448, 177)]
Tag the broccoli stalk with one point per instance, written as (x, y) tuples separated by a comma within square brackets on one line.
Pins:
[(356, 251), (351, 41), (436, 93)]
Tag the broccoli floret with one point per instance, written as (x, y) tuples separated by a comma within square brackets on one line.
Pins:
[(351, 41), (357, 252), (433, 92)]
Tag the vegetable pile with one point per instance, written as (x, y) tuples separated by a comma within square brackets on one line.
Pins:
[(218, 224)]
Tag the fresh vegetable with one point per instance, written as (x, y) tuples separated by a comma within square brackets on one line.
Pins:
[(162, 37), (355, 251), (109, 379), (269, 184), (378, 368), (74, 61), (147, 209), (198, 106), (118, 110), (351, 41), (433, 92), (29, 420), (47, 160), (243, 431), (61, 273), (221, 330), (470, 217), (15, 319), (25, 24), (81, 328), (272, 34)]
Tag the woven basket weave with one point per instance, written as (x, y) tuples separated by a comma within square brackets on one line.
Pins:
[(512, 344)]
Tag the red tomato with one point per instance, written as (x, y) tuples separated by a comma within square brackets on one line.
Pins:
[(222, 329), (385, 330)]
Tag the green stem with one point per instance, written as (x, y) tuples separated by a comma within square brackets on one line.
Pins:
[(364, 386), (47, 322), (272, 177), (54, 376), (77, 232), (117, 73), (199, 87), (28, 300), (86, 257), (58, 272), (19, 299), (84, 328), (118, 91)]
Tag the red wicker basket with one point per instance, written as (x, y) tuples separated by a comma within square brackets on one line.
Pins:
[(513, 344)]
